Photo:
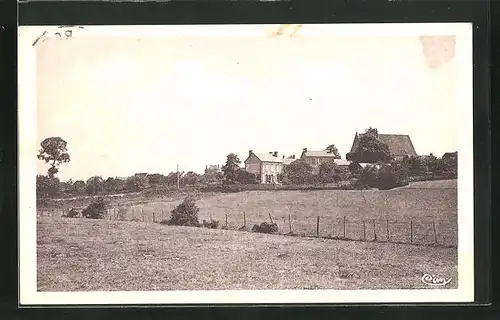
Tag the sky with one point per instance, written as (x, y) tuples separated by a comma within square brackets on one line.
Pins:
[(147, 103)]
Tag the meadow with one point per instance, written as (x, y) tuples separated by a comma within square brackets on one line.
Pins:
[(103, 255), (422, 213)]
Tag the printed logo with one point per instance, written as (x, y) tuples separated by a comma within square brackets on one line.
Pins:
[(433, 280)]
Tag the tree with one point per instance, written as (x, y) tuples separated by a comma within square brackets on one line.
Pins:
[(47, 186), (298, 172), (94, 185), (171, 178), (79, 186), (329, 172), (111, 185), (213, 176), (191, 178), (370, 150), (333, 149), (137, 183), (392, 175), (53, 151), (231, 168), (156, 179), (245, 177)]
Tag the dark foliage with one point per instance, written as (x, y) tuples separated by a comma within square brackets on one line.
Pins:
[(97, 209), (212, 224), (73, 213), (185, 214), (265, 227)]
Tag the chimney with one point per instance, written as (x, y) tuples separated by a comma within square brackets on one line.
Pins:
[(250, 152), (293, 157), (305, 149), (275, 153), (283, 157)]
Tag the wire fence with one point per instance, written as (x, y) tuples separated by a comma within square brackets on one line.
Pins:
[(423, 231)]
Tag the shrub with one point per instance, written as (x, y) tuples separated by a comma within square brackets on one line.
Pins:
[(392, 176), (212, 224), (96, 209), (165, 221), (368, 176), (265, 228), (185, 214), (73, 213)]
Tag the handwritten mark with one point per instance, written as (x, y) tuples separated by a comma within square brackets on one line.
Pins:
[(433, 280), (64, 35)]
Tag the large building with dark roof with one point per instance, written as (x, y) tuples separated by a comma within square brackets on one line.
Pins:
[(400, 145)]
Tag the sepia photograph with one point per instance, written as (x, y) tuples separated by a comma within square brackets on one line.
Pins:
[(314, 163)]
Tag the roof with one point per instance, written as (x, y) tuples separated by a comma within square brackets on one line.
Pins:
[(450, 154), (342, 162), (399, 144), (267, 157), (322, 153)]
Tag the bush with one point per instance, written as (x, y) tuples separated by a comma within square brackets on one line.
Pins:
[(97, 209), (185, 214), (368, 176), (392, 176), (265, 228), (212, 224), (73, 213)]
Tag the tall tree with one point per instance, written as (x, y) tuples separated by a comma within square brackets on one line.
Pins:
[(370, 150), (137, 183), (191, 178), (53, 151), (333, 149), (298, 172), (94, 185), (156, 179), (231, 167), (329, 172)]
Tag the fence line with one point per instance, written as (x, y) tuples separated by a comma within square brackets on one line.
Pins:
[(411, 231)]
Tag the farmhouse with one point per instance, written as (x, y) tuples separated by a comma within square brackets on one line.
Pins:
[(450, 156), (400, 145), (266, 166), (315, 158)]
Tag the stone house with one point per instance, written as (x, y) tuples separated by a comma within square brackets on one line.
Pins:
[(316, 158)]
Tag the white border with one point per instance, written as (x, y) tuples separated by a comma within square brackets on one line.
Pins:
[(27, 173)]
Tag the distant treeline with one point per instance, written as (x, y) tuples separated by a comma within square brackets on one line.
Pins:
[(296, 176)]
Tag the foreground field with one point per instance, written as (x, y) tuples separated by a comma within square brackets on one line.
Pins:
[(98, 255)]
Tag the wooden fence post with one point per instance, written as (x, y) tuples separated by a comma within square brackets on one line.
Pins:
[(162, 213), (344, 227), (226, 219), (270, 217), (142, 213), (364, 230), (374, 230), (244, 219), (411, 231), (435, 234), (317, 227), (290, 222), (154, 217), (387, 228)]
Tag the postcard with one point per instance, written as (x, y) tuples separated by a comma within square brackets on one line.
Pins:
[(261, 164)]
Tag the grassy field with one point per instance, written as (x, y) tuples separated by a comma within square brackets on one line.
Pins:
[(102, 255), (411, 210)]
